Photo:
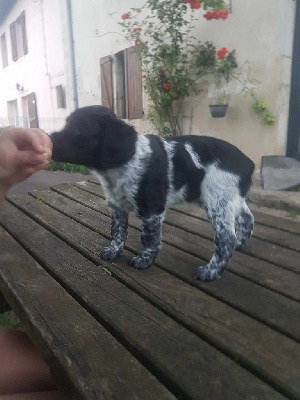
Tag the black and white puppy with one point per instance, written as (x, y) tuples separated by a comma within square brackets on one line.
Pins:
[(146, 174)]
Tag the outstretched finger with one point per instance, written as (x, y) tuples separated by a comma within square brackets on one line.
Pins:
[(32, 139), (43, 141), (29, 157)]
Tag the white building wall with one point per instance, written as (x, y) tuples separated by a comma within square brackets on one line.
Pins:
[(262, 34), (260, 31), (42, 68)]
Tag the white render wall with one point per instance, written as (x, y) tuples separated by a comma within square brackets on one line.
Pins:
[(42, 68), (260, 31)]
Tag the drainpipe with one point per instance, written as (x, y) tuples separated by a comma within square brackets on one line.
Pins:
[(72, 54)]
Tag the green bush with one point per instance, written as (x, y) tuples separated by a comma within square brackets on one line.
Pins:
[(10, 320), (53, 166), (2, 129)]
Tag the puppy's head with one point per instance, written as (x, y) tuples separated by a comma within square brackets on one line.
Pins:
[(94, 137)]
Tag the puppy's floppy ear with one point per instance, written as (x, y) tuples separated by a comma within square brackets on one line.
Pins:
[(117, 143)]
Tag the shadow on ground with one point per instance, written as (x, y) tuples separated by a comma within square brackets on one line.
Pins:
[(45, 179)]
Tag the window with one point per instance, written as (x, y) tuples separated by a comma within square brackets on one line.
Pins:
[(13, 114), (60, 96), (4, 51), (18, 36), (127, 80)]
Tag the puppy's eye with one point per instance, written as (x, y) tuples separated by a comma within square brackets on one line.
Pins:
[(76, 132)]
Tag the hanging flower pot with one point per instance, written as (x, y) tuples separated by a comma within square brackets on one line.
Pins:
[(218, 110), (219, 103)]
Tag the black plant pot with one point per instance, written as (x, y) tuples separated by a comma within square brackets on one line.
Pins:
[(218, 110)]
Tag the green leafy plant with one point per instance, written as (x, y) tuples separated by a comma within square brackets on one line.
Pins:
[(10, 320), (219, 64), (261, 107), (222, 65)]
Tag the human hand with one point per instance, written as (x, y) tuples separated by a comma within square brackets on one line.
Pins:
[(23, 151)]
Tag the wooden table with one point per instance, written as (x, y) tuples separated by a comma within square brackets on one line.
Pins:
[(108, 331)]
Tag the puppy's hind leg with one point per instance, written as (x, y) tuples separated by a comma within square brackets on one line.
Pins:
[(221, 214), (151, 239), (119, 224), (244, 225)]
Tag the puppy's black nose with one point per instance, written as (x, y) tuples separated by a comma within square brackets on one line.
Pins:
[(56, 147)]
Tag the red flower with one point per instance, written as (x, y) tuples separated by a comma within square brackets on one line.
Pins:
[(166, 86), (125, 16), (158, 78), (195, 4), (144, 76), (135, 42), (222, 52), (216, 14), (224, 14), (137, 30)]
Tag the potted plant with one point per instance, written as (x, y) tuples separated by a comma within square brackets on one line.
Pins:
[(218, 108), (219, 64)]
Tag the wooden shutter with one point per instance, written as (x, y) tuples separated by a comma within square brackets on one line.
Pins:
[(32, 111), (133, 84), (22, 22), (13, 37), (106, 83)]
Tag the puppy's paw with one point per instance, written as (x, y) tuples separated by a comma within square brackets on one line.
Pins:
[(140, 262), (110, 253), (206, 274)]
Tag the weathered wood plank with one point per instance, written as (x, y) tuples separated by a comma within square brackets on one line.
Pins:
[(232, 289), (85, 360), (273, 221), (259, 248), (200, 367), (266, 274), (261, 218), (192, 209), (269, 234), (256, 247)]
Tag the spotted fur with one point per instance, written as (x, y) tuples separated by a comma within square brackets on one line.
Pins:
[(147, 174)]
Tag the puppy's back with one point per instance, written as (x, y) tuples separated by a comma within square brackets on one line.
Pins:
[(227, 156)]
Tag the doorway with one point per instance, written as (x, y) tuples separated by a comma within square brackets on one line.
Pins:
[(30, 111)]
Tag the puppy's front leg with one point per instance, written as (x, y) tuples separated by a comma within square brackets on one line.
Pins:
[(119, 223), (151, 238)]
